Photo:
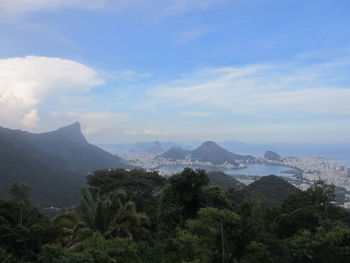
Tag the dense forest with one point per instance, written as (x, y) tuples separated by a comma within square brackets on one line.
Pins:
[(138, 216)]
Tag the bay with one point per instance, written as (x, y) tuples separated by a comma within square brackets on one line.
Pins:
[(260, 169)]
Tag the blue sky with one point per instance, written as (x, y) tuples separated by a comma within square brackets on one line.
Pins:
[(247, 70)]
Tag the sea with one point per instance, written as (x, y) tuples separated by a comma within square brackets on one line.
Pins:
[(260, 169), (339, 152)]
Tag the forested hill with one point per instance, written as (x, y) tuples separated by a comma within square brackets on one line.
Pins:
[(70, 144), (54, 164), (274, 189), (224, 181)]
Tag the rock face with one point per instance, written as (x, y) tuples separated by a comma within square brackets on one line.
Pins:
[(70, 144), (54, 164), (211, 152), (272, 156)]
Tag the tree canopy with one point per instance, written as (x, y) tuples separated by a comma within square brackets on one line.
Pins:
[(140, 217)]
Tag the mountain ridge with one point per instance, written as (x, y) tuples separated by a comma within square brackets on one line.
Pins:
[(175, 153), (54, 163), (212, 152)]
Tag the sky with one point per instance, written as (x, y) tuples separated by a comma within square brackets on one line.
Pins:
[(177, 70)]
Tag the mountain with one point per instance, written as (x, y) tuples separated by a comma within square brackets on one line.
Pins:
[(175, 153), (155, 148), (211, 152), (224, 181), (70, 144), (272, 156), (54, 164), (273, 188)]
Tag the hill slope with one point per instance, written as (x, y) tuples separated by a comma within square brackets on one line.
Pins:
[(70, 144), (211, 152), (273, 188), (175, 153), (270, 155), (224, 181), (54, 164)]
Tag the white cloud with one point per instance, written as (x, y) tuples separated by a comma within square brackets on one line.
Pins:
[(26, 81), (264, 89), (11, 10), (94, 122), (31, 119)]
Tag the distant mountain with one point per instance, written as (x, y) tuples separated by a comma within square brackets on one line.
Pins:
[(273, 188), (211, 152), (224, 181), (272, 156), (175, 153), (54, 164), (156, 148)]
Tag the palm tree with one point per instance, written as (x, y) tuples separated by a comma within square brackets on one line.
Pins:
[(71, 231), (128, 223), (111, 215)]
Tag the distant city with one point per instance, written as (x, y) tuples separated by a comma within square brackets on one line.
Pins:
[(169, 158)]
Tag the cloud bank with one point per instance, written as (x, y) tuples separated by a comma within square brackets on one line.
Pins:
[(263, 89), (26, 81)]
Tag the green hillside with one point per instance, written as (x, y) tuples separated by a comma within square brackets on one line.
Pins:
[(54, 164), (273, 188), (224, 181)]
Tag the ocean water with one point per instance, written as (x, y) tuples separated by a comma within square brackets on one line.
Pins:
[(260, 169), (339, 152)]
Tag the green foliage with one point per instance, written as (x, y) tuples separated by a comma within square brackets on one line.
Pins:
[(71, 231), (212, 237), (114, 250), (274, 189), (256, 252), (213, 196), (305, 210), (19, 192), (23, 229), (6, 257), (224, 181), (321, 247), (181, 197), (112, 215), (140, 186), (187, 221), (98, 250)]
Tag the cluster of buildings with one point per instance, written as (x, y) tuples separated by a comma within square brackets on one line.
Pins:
[(312, 169), (150, 162), (308, 170), (316, 168)]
